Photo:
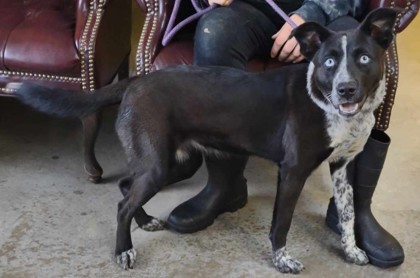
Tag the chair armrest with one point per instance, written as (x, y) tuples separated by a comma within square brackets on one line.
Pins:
[(157, 13), (409, 10), (104, 42)]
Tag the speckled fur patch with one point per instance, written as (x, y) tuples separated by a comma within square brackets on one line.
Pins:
[(285, 263), (343, 196)]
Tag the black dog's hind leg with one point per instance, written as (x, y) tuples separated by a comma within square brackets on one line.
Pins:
[(290, 184), (147, 152), (143, 220), (144, 187)]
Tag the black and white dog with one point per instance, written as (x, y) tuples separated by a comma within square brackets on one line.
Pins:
[(276, 115)]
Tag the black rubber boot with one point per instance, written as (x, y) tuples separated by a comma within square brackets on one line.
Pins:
[(381, 247), (226, 191)]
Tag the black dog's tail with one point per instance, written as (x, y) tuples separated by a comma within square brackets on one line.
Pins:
[(68, 103)]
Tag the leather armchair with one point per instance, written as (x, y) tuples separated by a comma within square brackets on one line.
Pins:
[(152, 56), (72, 44)]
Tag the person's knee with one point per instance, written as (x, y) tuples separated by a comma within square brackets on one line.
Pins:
[(211, 37)]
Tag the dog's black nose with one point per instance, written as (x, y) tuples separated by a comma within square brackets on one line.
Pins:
[(347, 89)]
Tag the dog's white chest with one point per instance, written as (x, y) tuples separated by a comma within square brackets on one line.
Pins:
[(348, 136)]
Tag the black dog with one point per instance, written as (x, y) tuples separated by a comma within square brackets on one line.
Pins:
[(276, 115)]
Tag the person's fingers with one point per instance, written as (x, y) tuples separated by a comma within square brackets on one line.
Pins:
[(282, 46), (294, 55), (280, 39), (220, 2), (287, 49), (275, 35), (217, 2), (299, 59)]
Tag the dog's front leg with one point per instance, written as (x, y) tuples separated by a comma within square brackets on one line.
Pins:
[(343, 196), (290, 184)]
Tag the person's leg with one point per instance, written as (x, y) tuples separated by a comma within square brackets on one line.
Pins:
[(227, 36), (230, 36), (381, 247)]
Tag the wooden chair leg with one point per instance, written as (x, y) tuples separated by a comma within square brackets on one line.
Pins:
[(91, 126)]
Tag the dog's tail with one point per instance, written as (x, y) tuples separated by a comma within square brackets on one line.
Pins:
[(68, 103)]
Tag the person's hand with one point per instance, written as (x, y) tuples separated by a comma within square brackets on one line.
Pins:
[(221, 2), (287, 50)]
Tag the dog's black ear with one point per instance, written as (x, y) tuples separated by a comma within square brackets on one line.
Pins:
[(310, 35), (379, 24)]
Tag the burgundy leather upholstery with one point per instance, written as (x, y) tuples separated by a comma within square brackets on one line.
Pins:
[(65, 43), (152, 56), (49, 27), (11, 16)]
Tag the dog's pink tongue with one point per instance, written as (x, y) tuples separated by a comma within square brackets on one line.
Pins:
[(349, 107)]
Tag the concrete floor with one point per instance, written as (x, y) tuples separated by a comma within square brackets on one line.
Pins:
[(53, 223)]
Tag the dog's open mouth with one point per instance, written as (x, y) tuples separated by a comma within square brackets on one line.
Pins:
[(349, 109)]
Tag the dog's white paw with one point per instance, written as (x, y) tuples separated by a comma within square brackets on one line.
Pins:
[(126, 259), (153, 225), (357, 256), (285, 263)]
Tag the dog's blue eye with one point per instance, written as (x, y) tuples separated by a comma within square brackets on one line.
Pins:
[(329, 62), (364, 59)]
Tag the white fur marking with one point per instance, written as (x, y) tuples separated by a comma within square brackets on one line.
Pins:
[(182, 154), (154, 225), (326, 106), (342, 73)]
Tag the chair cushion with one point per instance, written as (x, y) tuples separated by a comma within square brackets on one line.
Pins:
[(43, 40), (181, 53)]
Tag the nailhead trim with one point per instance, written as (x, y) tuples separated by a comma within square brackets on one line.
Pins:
[(7, 91), (141, 44), (40, 76), (152, 12), (87, 48)]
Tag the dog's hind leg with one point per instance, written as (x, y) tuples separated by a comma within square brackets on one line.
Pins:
[(290, 184), (143, 220), (146, 147), (144, 187), (343, 196)]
